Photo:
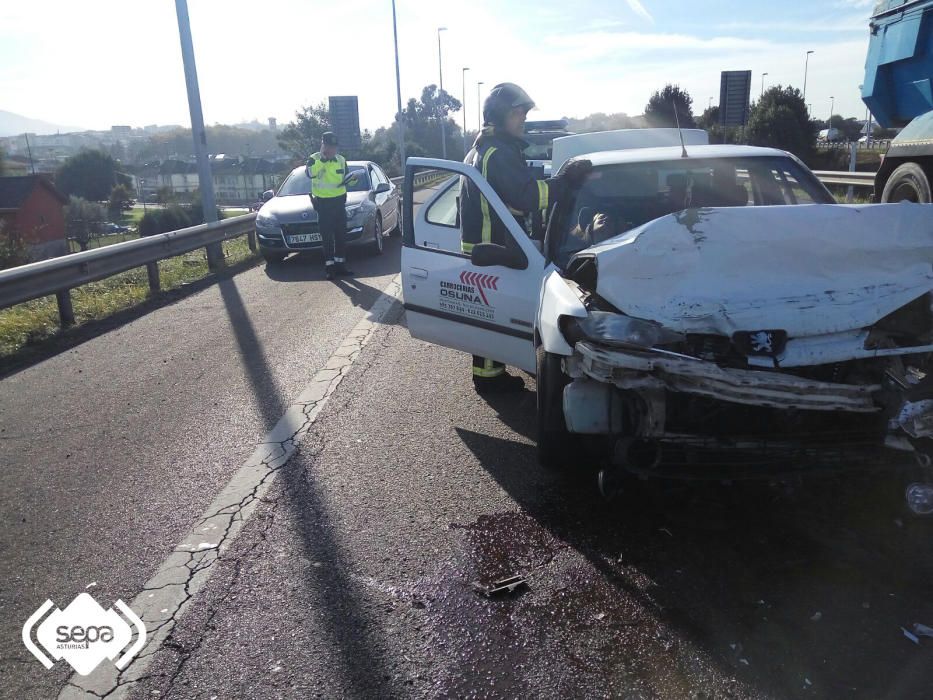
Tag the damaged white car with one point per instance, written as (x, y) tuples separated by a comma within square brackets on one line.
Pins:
[(715, 300)]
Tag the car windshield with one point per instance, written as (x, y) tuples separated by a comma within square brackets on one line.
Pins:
[(299, 182), (618, 198), (539, 146)]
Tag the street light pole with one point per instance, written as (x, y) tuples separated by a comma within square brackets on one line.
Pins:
[(398, 94), (763, 85), (463, 72), (832, 106), (479, 107), (214, 251), (440, 67), (806, 68)]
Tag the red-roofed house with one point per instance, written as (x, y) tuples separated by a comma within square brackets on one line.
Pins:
[(31, 207)]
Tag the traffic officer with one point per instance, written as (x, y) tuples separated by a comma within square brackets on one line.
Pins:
[(329, 177), (498, 155)]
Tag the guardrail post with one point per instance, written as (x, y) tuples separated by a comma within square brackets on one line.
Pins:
[(155, 283), (66, 312), (215, 256), (251, 239), (853, 158)]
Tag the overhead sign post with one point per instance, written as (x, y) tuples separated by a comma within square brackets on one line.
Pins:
[(345, 122), (735, 90)]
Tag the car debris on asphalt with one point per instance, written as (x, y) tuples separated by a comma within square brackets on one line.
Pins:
[(503, 587), (917, 630)]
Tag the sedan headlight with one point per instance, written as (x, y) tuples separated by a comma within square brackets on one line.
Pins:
[(353, 210), (617, 329), (266, 221)]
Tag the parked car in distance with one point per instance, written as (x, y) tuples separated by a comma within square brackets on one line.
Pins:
[(287, 222), (110, 228)]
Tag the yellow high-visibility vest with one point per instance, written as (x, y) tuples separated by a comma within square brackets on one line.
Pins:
[(327, 176)]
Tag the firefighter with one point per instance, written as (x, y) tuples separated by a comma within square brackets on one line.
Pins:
[(498, 155), (329, 177)]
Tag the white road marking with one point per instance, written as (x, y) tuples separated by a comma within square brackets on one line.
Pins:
[(178, 579)]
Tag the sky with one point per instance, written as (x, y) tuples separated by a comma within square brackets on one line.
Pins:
[(98, 63)]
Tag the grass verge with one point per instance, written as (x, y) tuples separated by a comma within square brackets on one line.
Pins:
[(36, 322)]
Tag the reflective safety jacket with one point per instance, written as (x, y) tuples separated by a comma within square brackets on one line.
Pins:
[(499, 157), (327, 176)]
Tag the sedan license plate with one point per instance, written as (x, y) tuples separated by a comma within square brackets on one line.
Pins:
[(305, 238)]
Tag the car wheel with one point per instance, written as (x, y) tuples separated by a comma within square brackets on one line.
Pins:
[(273, 258), (555, 443), (378, 239), (908, 183)]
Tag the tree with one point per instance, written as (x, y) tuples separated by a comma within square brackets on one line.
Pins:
[(659, 111), (709, 118), (83, 220), (90, 175), (423, 123), (121, 200), (780, 120), (165, 195), (302, 137), (14, 248)]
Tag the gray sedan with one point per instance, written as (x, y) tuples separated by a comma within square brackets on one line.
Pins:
[(287, 221)]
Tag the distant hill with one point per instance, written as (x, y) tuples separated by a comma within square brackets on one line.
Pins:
[(12, 124)]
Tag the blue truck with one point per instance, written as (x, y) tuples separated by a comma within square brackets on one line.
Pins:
[(898, 91)]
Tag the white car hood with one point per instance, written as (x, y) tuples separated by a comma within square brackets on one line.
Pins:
[(809, 269)]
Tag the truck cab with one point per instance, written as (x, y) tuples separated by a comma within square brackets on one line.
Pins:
[(899, 92)]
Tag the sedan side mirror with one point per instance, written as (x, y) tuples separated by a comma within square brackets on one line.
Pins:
[(383, 187), (490, 254), (267, 195)]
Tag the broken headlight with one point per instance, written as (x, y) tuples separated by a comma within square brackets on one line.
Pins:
[(609, 328)]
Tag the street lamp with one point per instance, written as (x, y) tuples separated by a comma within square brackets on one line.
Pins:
[(806, 67), (440, 68), (709, 105), (398, 94), (832, 106), (479, 107), (763, 84), (463, 79)]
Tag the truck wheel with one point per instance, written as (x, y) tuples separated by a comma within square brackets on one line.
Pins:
[(908, 183), (555, 443)]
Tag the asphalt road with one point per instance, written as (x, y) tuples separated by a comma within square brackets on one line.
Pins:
[(355, 575)]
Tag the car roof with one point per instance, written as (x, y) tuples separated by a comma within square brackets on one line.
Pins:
[(648, 155)]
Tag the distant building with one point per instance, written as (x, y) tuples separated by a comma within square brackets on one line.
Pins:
[(273, 124), (31, 207), (237, 180), (121, 132)]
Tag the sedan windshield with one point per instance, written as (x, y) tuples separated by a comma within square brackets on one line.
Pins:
[(618, 198), (299, 182)]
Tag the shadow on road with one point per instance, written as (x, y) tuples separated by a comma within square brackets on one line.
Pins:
[(793, 589), (342, 617), (307, 266)]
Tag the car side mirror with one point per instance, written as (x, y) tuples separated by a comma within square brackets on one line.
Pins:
[(383, 187), (267, 195), (490, 254)]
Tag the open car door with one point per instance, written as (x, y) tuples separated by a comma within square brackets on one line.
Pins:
[(485, 309)]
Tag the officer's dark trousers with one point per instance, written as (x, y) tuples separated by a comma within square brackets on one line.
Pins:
[(332, 220)]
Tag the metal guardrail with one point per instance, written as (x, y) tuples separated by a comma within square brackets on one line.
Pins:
[(59, 275), (422, 177), (843, 177)]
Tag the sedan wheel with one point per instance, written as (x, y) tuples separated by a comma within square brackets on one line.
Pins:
[(378, 239)]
